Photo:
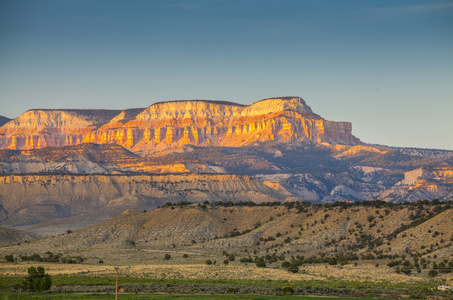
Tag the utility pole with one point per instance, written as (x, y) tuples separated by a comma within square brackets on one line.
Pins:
[(57, 228), (116, 288)]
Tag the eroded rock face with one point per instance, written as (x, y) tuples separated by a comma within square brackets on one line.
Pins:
[(28, 199), (36, 129), (172, 124)]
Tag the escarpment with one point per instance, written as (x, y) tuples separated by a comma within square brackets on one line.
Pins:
[(173, 124), (31, 199)]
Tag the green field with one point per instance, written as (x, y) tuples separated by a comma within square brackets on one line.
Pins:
[(165, 297), (94, 287), (103, 287)]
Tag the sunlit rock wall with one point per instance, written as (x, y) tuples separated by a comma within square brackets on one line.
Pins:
[(172, 124)]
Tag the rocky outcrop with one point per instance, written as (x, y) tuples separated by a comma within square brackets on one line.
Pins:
[(422, 183), (357, 151), (312, 172), (432, 153), (367, 183), (173, 124), (36, 129), (92, 158)]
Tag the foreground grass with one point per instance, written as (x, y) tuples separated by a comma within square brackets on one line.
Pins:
[(165, 297), (90, 280), (103, 287)]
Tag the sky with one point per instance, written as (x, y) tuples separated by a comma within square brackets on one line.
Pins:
[(384, 65)]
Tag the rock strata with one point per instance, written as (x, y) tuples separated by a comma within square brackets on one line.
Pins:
[(62, 196), (173, 124)]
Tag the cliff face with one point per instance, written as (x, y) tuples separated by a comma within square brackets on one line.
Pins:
[(36, 129), (172, 124), (32, 199)]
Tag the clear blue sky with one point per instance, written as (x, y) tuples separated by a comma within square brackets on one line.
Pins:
[(384, 65)]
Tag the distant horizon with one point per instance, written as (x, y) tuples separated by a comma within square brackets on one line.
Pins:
[(384, 66)]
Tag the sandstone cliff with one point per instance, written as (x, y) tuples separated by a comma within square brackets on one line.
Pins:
[(173, 124)]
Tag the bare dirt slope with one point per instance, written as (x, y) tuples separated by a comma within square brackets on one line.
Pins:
[(31, 200), (290, 229)]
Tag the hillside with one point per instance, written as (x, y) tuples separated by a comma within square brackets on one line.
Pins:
[(10, 236), (334, 173), (314, 172), (58, 187), (74, 200), (412, 238), (92, 158), (303, 228)]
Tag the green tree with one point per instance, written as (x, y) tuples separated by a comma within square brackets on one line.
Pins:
[(260, 263), (37, 280), (9, 258)]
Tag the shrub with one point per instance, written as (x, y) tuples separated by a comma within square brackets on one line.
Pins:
[(231, 257), (432, 273), (226, 261), (293, 268), (130, 242), (246, 260), (208, 262), (260, 263), (288, 290), (167, 256), (406, 270), (9, 258)]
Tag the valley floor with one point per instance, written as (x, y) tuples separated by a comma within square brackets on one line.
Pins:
[(365, 271), (169, 296), (139, 281)]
